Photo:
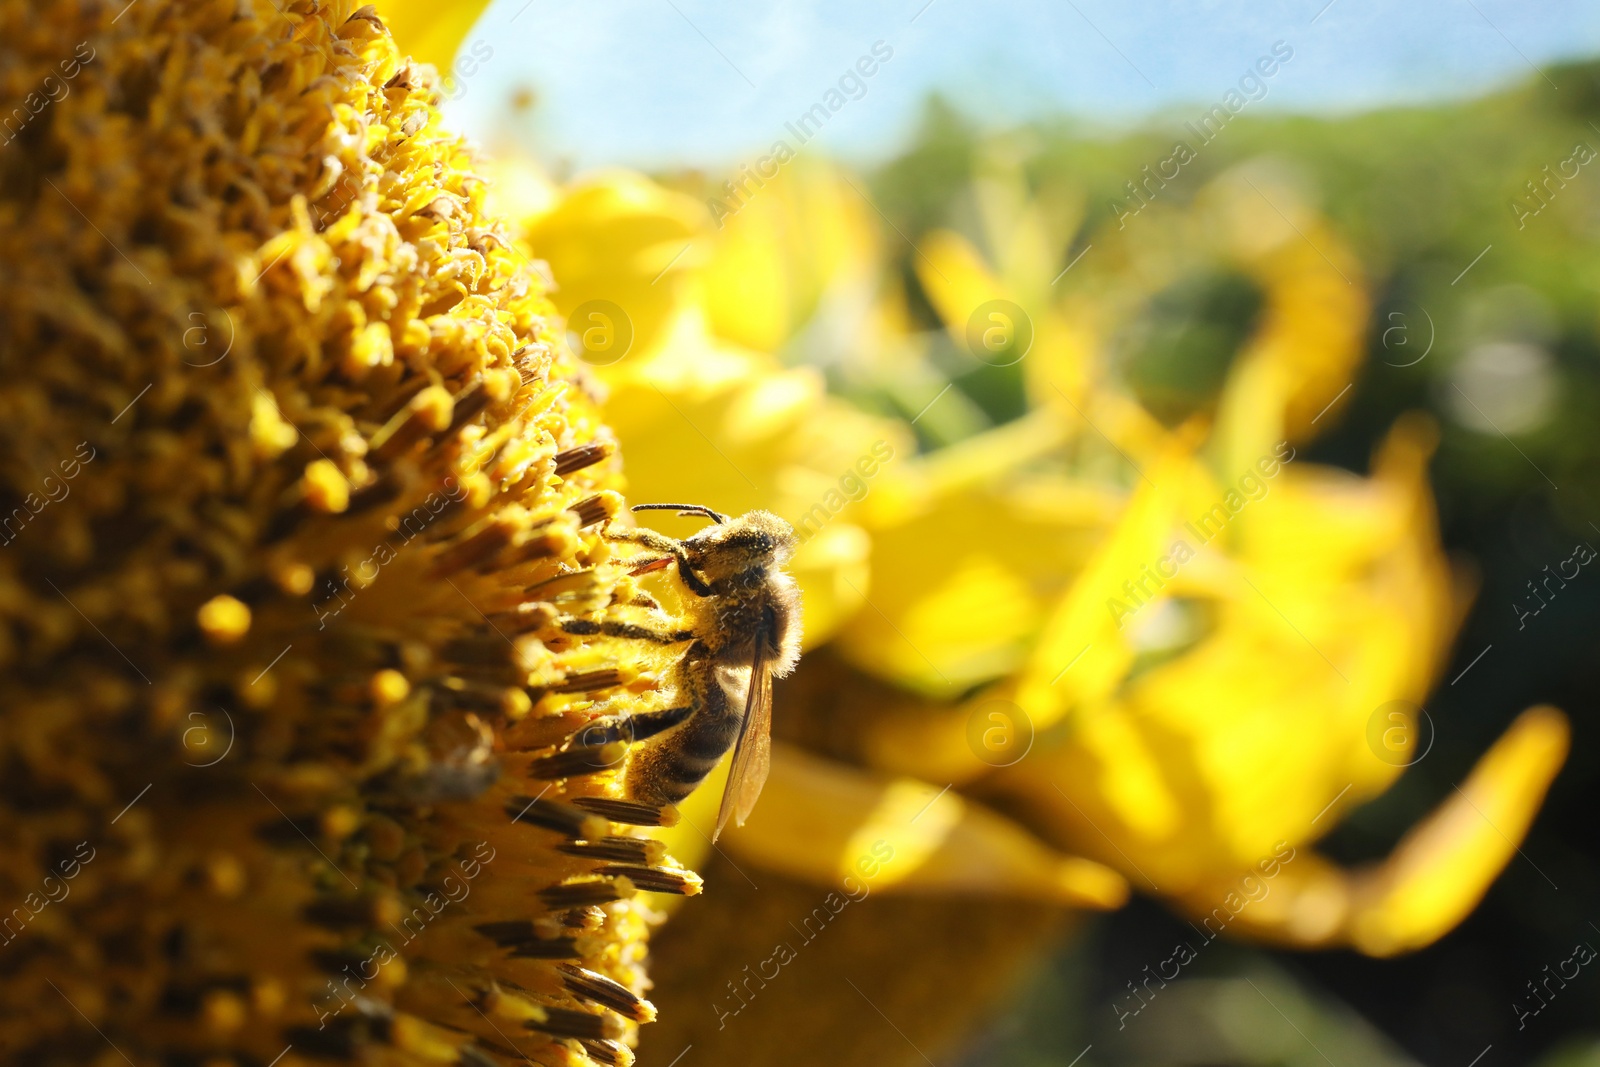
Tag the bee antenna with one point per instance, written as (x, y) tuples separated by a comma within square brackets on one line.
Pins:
[(684, 510)]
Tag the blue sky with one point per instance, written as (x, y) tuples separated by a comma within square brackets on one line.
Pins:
[(658, 83)]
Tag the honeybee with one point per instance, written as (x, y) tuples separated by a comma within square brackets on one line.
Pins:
[(743, 615)]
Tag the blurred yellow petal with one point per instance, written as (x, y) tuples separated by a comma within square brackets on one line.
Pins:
[(967, 554), (961, 588), (781, 247), (1442, 868), (619, 237), (1434, 877), (834, 572), (430, 32), (1305, 903), (747, 280), (1060, 365), (781, 398), (935, 964), (1080, 656), (1326, 593), (1310, 338), (975, 462), (1156, 713), (519, 188), (837, 825), (956, 279), (1016, 227)]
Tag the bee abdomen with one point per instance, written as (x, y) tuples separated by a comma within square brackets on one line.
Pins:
[(671, 772), (667, 772)]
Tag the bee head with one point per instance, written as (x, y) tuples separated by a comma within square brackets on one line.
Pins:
[(754, 539)]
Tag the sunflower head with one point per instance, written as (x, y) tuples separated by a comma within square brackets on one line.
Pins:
[(304, 499)]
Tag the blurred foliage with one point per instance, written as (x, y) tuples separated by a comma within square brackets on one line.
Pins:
[(1190, 333)]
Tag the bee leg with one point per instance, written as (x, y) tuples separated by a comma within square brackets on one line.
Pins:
[(645, 724), (616, 628), (664, 544), (690, 578), (648, 538)]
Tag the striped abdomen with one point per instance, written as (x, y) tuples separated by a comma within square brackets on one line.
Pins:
[(669, 768)]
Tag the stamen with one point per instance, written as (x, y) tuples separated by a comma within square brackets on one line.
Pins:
[(592, 986), (630, 812), (587, 891), (657, 879), (576, 459)]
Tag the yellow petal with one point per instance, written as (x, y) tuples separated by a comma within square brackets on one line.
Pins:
[(1327, 594), (1442, 868), (1296, 897), (1429, 883), (430, 32), (833, 570), (782, 245), (842, 826), (956, 279), (1305, 352), (1083, 654), (960, 589), (621, 238)]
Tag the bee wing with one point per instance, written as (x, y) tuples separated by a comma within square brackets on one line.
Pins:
[(752, 755)]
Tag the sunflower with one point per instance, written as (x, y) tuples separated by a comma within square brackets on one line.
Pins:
[(304, 588)]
